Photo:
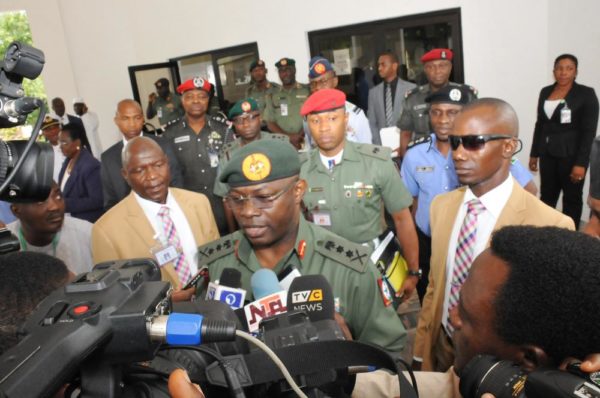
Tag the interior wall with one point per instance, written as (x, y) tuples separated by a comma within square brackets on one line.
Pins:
[(508, 46)]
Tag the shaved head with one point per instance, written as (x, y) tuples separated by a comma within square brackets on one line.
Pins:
[(126, 103), (496, 112), (137, 145)]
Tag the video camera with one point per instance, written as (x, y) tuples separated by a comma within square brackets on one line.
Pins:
[(505, 379)]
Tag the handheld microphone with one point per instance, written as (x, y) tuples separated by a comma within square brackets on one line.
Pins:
[(227, 289), (270, 299)]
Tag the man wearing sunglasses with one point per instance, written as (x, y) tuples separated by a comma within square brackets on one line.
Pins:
[(483, 141), (265, 195), (428, 170), (246, 120)]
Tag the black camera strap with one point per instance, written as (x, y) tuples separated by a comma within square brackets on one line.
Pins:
[(308, 359)]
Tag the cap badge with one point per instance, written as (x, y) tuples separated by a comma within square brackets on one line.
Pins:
[(158, 84), (246, 107), (198, 82), (443, 55), (455, 94), (283, 62), (256, 167), (320, 68)]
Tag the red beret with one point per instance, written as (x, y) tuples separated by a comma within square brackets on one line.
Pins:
[(437, 53), (195, 83), (323, 100)]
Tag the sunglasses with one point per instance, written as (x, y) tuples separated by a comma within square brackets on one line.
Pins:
[(474, 142)]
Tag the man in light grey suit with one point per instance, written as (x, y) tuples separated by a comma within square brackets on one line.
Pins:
[(387, 98)]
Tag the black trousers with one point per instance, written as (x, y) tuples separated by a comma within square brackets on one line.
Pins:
[(424, 257), (554, 177)]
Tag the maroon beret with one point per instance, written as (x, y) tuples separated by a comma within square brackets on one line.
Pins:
[(323, 100), (437, 53), (195, 83)]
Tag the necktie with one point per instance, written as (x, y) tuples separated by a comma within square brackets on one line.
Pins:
[(331, 163), (389, 106), (180, 263), (464, 254)]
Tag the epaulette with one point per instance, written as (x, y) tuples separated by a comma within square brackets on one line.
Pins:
[(350, 254), (219, 118), (419, 141), (376, 151), (216, 249), (171, 123), (276, 136), (356, 109)]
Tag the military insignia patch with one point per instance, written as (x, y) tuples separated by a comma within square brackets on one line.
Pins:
[(348, 194), (256, 167), (320, 68), (246, 106), (455, 94), (386, 295)]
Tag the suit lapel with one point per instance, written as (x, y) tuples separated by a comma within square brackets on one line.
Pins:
[(450, 208), (514, 211), (139, 223)]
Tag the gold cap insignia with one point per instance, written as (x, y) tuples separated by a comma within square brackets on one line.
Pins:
[(256, 167)]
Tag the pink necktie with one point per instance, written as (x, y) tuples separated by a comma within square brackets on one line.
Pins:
[(180, 263), (464, 254)]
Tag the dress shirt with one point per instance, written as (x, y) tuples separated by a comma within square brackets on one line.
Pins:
[(494, 202), (184, 231)]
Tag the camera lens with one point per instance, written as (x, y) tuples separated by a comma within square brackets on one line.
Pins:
[(484, 374), (33, 181)]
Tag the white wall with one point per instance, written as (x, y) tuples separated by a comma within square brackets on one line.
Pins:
[(509, 46)]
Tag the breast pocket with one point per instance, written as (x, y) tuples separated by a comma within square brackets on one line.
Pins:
[(425, 175)]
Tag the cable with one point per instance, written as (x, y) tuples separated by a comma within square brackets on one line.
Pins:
[(410, 373), (274, 358)]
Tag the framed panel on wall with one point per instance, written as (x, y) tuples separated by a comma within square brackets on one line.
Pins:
[(353, 49)]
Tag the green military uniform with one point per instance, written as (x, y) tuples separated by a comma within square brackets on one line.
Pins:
[(415, 116), (283, 107), (348, 200), (198, 156), (344, 264), (167, 110), (221, 188), (260, 95)]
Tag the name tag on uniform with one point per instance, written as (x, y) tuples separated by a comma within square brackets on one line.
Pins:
[(420, 106), (159, 112), (322, 218), (183, 138), (214, 159), (164, 254), (424, 169), (284, 109)]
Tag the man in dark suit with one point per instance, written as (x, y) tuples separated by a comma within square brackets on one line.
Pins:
[(380, 113), (129, 118)]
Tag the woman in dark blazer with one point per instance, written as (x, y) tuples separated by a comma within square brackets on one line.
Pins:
[(567, 117), (79, 177)]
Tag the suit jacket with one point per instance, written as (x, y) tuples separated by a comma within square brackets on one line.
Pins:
[(522, 208), (114, 186), (376, 112), (125, 232), (574, 139), (83, 189)]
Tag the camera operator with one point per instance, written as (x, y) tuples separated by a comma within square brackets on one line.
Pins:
[(531, 298)]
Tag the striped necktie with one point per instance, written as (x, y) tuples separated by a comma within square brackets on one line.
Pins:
[(180, 263), (389, 106), (464, 254)]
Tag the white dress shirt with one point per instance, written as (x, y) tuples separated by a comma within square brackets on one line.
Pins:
[(184, 231), (59, 158), (494, 202)]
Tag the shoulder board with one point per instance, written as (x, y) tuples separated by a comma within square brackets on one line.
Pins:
[(356, 109), (216, 249), (227, 148), (418, 141), (274, 85), (376, 151), (411, 91), (171, 123), (275, 136), (344, 252), (219, 119)]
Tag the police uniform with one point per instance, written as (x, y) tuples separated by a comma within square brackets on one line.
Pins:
[(198, 156), (344, 264), (415, 116), (283, 106), (167, 110)]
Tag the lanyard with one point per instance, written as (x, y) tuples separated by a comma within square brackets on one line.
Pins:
[(23, 242)]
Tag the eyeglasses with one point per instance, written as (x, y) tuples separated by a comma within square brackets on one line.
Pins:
[(238, 121), (474, 142), (236, 202)]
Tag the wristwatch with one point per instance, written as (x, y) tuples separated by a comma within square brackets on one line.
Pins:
[(418, 273)]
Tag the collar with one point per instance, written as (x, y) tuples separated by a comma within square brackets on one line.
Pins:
[(350, 154), (151, 207), (301, 253), (125, 141), (494, 200)]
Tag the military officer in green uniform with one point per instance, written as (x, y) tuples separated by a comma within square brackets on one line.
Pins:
[(414, 121), (260, 87), (246, 121), (282, 112), (265, 196), (350, 184), (166, 105), (197, 139)]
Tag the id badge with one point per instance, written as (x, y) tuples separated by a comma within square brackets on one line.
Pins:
[(164, 254), (565, 115), (214, 159), (322, 218), (284, 109), (159, 112)]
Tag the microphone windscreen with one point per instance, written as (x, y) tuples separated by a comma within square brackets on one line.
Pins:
[(231, 277), (312, 294), (264, 282)]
